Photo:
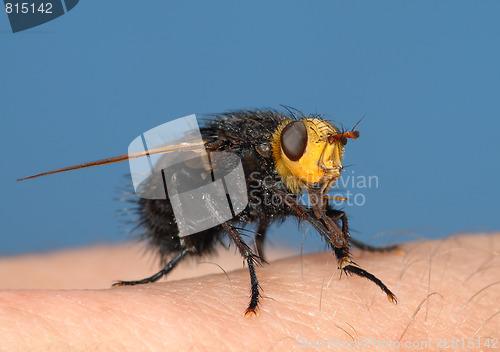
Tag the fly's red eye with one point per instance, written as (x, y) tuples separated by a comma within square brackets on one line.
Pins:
[(294, 140)]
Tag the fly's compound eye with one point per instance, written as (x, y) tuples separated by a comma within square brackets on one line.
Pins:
[(294, 140)]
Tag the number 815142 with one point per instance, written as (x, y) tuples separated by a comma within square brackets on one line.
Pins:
[(27, 7)]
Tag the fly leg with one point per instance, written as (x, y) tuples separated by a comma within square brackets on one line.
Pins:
[(326, 227), (340, 215), (351, 267), (246, 253), (367, 247), (260, 237), (340, 252), (304, 213), (354, 269), (166, 269), (251, 258), (340, 238)]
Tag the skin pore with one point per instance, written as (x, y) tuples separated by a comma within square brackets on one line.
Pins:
[(446, 289)]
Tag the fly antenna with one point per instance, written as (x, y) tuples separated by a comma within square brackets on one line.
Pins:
[(357, 123)]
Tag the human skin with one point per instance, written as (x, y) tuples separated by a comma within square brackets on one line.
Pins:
[(446, 289)]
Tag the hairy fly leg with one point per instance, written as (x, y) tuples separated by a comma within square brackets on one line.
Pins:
[(250, 258), (341, 253), (317, 218), (166, 269), (340, 215), (246, 253), (340, 238), (368, 247), (353, 269), (260, 238), (348, 266)]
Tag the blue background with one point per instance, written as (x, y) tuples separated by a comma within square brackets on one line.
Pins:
[(81, 87)]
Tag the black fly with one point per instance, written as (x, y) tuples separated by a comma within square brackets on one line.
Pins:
[(282, 154)]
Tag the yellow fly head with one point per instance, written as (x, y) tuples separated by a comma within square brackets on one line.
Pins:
[(308, 153)]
